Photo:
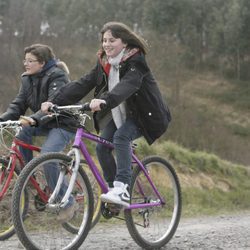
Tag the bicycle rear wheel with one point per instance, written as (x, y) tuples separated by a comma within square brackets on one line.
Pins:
[(6, 226), (153, 227), (42, 229)]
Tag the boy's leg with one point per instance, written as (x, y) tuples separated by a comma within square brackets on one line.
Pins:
[(56, 141), (26, 135)]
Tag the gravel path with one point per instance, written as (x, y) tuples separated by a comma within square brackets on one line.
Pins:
[(229, 232)]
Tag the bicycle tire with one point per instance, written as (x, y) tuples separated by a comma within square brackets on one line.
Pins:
[(152, 228), (96, 192), (41, 230), (97, 201), (7, 229)]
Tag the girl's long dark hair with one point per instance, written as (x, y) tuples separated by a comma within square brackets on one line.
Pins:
[(122, 31)]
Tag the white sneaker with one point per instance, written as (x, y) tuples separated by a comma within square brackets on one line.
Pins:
[(118, 195)]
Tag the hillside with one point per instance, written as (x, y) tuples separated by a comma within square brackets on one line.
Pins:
[(208, 141), (212, 114)]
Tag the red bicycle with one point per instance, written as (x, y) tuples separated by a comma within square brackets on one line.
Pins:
[(10, 166)]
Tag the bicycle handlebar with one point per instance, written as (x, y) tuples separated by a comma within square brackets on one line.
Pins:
[(5, 127), (76, 110), (11, 124), (79, 107)]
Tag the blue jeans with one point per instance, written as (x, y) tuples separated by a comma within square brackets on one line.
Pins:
[(119, 170), (56, 140)]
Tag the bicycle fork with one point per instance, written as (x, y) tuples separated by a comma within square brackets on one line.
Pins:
[(74, 169)]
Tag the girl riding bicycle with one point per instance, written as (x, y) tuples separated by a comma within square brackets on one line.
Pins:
[(133, 104)]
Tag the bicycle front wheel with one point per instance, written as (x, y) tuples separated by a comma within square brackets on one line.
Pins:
[(97, 201), (6, 226), (96, 189), (43, 228), (153, 227)]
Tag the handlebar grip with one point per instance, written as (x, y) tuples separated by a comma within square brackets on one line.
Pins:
[(86, 107), (103, 105), (53, 108)]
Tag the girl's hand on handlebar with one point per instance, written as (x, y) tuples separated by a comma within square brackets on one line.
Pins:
[(95, 104), (45, 107)]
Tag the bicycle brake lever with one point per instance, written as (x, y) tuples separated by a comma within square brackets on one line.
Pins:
[(47, 118)]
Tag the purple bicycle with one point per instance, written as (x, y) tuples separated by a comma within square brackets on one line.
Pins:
[(152, 217)]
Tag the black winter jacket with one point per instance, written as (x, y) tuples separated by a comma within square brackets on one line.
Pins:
[(137, 87), (34, 90)]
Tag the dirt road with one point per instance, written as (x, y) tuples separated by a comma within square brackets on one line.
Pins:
[(229, 232)]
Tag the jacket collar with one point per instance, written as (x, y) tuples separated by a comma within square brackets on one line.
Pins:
[(127, 54)]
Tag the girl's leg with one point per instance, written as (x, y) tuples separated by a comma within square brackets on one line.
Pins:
[(105, 156), (122, 140)]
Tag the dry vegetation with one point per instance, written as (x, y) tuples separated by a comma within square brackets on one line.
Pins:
[(212, 115)]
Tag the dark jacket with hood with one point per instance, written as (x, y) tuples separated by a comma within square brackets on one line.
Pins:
[(36, 89), (137, 87)]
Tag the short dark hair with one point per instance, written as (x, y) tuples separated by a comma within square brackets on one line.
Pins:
[(42, 52)]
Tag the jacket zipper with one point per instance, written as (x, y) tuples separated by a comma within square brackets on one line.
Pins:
[(106, 83)]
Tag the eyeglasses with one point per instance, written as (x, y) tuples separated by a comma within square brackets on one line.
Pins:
[(29, 61)]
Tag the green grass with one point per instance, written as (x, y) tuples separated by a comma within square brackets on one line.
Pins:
[(210, 185)]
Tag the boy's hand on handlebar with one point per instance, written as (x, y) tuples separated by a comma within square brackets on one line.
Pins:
[(95, 104), (27, 121), (45, 107)]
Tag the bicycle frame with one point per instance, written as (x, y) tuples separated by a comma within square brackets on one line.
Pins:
[(13, 157), (79, 144)]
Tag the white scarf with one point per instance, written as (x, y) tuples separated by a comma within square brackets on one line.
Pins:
[(119, 112)]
